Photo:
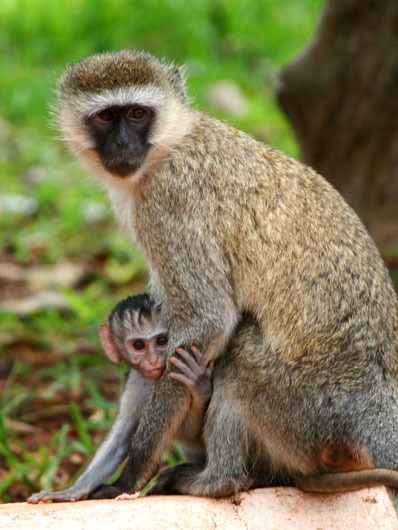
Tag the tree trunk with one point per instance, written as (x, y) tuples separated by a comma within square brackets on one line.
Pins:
[(341, 95)]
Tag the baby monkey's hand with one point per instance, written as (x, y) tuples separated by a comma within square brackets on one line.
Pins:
[(194, 373)]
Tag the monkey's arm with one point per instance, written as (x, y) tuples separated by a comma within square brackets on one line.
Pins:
[(196, 376), (113, 450)]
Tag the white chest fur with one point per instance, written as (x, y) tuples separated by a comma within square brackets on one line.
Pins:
[(122, 200)]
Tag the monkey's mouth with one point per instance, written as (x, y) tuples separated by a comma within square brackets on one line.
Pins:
[(155, 373), (120, 167)]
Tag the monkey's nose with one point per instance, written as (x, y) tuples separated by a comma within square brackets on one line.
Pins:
[(123, 143), (153, 362)]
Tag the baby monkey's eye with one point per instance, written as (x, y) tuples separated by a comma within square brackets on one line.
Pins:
[(161, 341), (138, 345)]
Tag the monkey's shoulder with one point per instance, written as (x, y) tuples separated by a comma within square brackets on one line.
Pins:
[(219, 155)]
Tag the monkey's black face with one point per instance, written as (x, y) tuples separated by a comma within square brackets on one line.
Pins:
[(121, 137)]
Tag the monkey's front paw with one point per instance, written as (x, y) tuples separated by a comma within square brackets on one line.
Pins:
[(68, 495), (106, 491), (42, 496)]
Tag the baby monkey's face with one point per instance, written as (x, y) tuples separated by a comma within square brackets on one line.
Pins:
[(137, 338), (145, 350)]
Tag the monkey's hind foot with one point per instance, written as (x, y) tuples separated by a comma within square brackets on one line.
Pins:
[(106, 491), (169, 480), (190, 479)]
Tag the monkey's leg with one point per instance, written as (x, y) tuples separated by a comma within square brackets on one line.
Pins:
[(111, 452), (226, 469), (150, 440)]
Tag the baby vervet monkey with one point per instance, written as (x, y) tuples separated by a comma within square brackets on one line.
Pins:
[(135, 332)]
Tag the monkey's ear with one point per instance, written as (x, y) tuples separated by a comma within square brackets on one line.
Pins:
[(107, 342), (177, 78)]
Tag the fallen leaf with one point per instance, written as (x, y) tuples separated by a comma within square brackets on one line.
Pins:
[(227, 96), (36, 302), (128, 496), (18, 204), (11, 272), (64, 274)]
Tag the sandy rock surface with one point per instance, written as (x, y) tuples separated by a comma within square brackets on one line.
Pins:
[(266, 509)]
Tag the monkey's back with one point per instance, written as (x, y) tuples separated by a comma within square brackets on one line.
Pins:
[(299, 257)]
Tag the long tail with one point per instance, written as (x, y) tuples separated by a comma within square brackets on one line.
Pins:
[(347, 480)]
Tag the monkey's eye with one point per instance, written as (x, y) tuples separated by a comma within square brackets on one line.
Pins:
[(138, 345), (137, 114), (161, 341), (106, 115)]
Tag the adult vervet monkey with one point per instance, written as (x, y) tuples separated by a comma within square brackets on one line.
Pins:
[(307, 384)]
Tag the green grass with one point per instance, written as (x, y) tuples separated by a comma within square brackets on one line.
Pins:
[(58, 391)]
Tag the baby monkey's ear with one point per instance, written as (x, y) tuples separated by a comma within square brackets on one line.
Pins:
[(107, 342)]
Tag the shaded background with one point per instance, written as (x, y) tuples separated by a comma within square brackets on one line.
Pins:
[(63, 261)]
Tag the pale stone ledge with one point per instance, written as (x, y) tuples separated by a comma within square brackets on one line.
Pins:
[(265, 509)]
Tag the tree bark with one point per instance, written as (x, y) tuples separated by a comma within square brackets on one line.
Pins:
[(341, 96)]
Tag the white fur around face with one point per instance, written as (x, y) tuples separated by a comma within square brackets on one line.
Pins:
[(173, 120), (89, 104)]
